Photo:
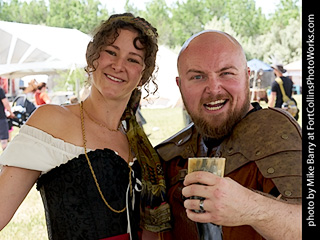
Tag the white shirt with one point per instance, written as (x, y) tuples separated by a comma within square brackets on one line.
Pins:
[(35, 149)]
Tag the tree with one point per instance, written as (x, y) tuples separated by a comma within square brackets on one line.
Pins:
[(284, 44), (34, 12), (157, 13), (280, 35), (286, 10), (245, 19), (188, 18), (79, 14)]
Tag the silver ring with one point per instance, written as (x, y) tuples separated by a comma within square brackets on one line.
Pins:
[(201, 205)]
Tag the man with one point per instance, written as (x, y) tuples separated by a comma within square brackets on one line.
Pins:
[(276, 95), (260, 195), (4, 127)]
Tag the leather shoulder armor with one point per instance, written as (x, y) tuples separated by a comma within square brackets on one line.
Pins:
[(272, 139), (179, 144)]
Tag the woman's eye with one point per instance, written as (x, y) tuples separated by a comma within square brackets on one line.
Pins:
[(111, 52), (133, 60)]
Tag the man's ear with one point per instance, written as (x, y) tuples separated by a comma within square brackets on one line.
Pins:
[(178, 81)]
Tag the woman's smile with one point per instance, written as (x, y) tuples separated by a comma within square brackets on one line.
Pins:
[(114, 79)]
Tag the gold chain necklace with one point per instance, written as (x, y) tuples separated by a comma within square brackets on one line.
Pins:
[(92, 171), (100, 124)]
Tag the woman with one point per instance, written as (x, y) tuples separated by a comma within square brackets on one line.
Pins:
[(41, 96), (89, 180)]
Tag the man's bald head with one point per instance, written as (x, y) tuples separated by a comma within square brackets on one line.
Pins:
[(214, 82), (218, 36)]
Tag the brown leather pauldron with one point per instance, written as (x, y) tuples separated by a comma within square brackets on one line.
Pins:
[(269, 137)]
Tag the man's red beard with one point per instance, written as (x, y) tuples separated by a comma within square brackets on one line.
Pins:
[(210, 128)]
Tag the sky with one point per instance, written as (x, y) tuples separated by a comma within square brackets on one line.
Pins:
[(267, 6)]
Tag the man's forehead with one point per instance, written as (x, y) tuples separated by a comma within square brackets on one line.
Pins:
[(207, 43), (211, 35)]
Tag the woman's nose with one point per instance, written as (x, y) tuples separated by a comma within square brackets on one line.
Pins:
[(118, 65)]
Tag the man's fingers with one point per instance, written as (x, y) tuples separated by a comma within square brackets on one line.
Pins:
[(201, 177), (196, 190)]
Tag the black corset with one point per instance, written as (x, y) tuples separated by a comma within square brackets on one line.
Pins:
[(73, 206)]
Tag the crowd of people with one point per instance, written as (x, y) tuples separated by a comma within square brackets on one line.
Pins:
[(100, 178)]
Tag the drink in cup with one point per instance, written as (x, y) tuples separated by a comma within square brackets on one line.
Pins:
[(214, 165)]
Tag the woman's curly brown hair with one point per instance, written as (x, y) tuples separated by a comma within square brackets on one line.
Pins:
[(108, 32)]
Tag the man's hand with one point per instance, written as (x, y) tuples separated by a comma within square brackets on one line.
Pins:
[(226, 202)]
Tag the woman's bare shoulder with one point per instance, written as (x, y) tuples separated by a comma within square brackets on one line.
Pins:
[(52, 118)]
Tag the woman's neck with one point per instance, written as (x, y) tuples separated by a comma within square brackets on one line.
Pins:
[(105, 111)]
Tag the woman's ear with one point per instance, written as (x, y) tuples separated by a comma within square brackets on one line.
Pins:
[(178, 81)]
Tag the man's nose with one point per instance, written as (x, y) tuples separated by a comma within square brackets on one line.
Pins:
[(213, 84)]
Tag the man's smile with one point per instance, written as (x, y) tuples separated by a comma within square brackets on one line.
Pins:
[(215, 105)]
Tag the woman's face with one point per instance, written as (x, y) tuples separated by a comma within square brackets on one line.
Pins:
[(119, 68)]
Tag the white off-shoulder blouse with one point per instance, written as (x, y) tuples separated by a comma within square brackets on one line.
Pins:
[(35, 149)]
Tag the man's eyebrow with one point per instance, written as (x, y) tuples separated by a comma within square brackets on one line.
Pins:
[(227, 68), (132, 53), (195, 71)]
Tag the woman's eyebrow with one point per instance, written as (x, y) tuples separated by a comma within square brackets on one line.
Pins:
[(132, 53)]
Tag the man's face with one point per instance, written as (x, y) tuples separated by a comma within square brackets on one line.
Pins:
[(214, 83)]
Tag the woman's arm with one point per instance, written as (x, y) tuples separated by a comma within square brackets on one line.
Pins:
[(15, 184)]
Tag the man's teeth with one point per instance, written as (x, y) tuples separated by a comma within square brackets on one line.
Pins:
[(114, 79), (216, 105)]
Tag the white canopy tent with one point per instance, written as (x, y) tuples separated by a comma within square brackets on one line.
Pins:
[(168, 94), (294, 70), (27, 49), (35, 49)]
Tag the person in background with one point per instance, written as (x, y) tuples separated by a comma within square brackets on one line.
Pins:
[(91, 160), (4, 127), (41, 96), (260, 196), (276, 95)]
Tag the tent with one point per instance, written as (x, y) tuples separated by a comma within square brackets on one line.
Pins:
[(294, 70), (27, 49), (35, 49), (168, 94), (256, 66)]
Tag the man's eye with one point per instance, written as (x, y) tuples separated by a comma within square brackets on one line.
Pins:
[(227, 73), (197, 77)]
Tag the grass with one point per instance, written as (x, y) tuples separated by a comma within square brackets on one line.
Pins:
[(29, 221), (162, 123)]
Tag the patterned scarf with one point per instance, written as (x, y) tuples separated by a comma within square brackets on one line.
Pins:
[(155, 211)]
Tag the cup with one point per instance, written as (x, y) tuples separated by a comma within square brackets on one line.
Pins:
[(214, 165)]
